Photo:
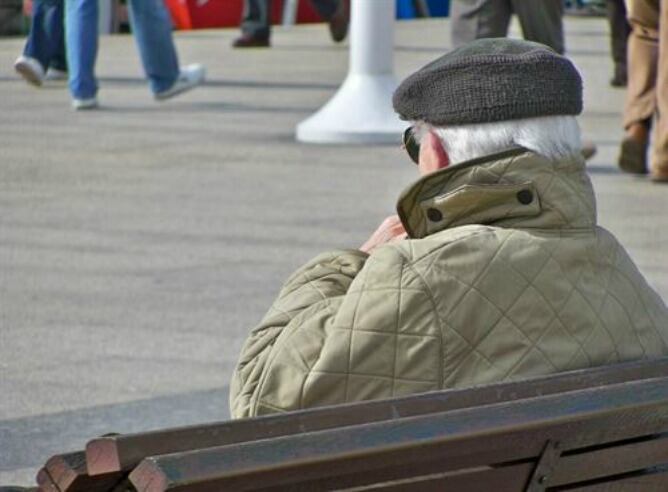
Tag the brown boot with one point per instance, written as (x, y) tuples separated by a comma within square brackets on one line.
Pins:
[(633, 151), (659, 171)]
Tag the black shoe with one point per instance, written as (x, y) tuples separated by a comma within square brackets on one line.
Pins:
[(338, 24), (620, 77), (250, 41)]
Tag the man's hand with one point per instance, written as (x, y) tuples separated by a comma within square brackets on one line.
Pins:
[(389, 231)]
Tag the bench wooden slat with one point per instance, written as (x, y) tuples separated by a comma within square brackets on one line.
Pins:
[(44, 481), (460, 438), (656, 481), (67, 472), (124, 452), (611, 461), (505, 479), (584, 465)]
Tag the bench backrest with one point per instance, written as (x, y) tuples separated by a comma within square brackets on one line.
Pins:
[(506, 434), (556, 440), (123, 452)]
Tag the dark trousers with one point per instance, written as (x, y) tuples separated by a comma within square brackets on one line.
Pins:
[(46, 41), (256, 19), (541, 20), (619, 33)]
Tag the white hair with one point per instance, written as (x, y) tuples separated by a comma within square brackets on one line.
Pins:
[(554, 137)]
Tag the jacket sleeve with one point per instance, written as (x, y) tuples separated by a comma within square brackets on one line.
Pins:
[(346, 327), (311, 288)]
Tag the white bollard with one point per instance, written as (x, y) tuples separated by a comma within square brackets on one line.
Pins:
[(361, 111)]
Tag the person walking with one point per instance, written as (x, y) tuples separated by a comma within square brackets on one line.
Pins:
[(256, 21), (619, 34), (646, 105), (541, 20), (152, 29), (43, 57)]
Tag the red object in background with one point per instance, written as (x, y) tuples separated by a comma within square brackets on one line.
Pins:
[(180, 13), (227, 13), (189, 14)]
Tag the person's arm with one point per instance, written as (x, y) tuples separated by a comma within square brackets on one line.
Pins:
[(309, 298), (312, 287), (379, 338)]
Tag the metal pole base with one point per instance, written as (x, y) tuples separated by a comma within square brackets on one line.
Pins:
[(360, 112)]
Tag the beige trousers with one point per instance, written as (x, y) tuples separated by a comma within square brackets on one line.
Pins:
[(647, 92)]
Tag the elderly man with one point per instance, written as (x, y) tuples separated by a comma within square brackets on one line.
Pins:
[(493, 270)]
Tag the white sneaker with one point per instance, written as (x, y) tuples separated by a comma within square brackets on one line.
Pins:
[(189, 78), (30, 69), (55, 75), (83, 104)]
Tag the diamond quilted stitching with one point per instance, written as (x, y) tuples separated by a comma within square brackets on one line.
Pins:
[(370, 387), (533, 363), (530, 312), (554, 291), (330, 388), (501, 284), (416, 358), (505, 344), (372, 309), (473, 368), (558, 347), (372, 353), (417, 307), (578, 317), (474, 317)]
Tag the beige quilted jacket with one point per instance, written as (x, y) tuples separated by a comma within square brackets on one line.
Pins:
[(506, 275)]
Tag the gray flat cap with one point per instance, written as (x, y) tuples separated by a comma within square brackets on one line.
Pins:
[(494, 79)]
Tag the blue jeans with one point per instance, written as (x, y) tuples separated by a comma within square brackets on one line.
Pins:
[(46, 41), (152, 28)]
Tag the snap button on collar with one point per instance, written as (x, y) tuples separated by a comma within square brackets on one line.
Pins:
[(525, 197), (434, 214)]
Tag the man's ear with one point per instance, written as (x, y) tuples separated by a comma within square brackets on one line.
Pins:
[(432, 154)]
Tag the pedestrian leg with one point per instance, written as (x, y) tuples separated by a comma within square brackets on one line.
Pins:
[(474, 19), (81, 31), (256, 21), (619, 33), (56, 29), (37, 44), (337, 15), (542, 21), (659, 162), (640, 104), (152, 28)]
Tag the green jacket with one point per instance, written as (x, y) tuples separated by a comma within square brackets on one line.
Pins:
[(505, 275)]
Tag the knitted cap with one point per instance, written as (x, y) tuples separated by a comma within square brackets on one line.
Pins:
[(494, 79)]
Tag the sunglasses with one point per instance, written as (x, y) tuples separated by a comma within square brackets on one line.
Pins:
[(411, 145)]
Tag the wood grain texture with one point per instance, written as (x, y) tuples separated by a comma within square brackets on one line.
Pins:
[(656, 481), (68, 473)]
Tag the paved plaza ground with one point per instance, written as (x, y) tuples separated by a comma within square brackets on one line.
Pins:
[(141, 242)]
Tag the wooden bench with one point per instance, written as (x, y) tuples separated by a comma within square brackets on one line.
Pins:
[(591, 430)]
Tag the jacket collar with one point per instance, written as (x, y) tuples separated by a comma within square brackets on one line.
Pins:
[(513, 188)]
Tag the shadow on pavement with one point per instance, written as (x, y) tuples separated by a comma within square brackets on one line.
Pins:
[(30, 441)]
